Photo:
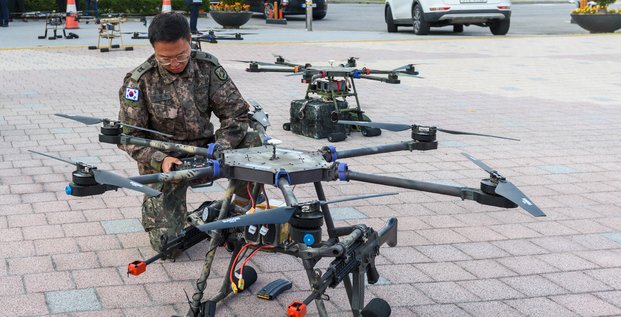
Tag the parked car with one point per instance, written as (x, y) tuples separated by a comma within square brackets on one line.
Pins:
[(424, 14), (289, 7)]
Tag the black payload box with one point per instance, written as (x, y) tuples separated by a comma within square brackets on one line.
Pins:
[(314, 118)]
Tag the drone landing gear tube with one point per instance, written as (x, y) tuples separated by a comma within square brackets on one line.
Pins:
[(201, 283), (358, 110)]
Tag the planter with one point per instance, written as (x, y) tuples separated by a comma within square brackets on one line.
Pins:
[(230, 20), (598, 23)]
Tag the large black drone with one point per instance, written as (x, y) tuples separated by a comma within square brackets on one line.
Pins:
[(294, 229), (325, 100)]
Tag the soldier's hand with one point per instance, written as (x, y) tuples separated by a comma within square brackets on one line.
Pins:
[(168, 162)]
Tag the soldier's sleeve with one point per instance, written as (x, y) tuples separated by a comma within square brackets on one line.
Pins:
[(229, 106), (134, 111)]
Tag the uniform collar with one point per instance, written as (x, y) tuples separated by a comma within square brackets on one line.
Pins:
[(168, 77)]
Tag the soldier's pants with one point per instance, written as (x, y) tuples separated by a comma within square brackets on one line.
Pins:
[(166, 214)]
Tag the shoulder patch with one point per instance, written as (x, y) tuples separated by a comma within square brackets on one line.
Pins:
[(221, 73), (141, 70), (200, 55), (132, 94)]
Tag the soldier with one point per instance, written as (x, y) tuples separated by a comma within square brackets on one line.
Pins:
[(175, 91)]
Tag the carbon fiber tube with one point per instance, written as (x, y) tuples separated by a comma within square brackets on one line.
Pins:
[(167, 146), (406, 183), (174, 176), (374, 150)]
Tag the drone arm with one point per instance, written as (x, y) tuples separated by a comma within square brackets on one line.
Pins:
[(390, 79), (167, 146), (403, 146), (287, 191), (257, 68), (406, 183), (464, 193), (191, 174)]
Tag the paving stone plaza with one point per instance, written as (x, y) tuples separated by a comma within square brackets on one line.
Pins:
[(560, 95)]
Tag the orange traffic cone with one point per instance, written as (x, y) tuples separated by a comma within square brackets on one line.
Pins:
[(72, 11), (166, 7)]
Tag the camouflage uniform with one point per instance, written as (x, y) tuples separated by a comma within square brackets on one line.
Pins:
[(180, 105)]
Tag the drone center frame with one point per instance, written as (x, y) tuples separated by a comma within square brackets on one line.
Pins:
[(259, 164)]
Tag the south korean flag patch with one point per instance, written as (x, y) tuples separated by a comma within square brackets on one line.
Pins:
[(132, 94)]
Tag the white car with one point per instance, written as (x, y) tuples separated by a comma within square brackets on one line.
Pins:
[(423, 14)]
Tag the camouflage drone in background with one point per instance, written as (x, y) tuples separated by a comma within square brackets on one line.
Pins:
[(325, 101)]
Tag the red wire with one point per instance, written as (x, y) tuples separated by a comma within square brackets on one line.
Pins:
[(267, 201), (250, 195), (241, 270), (235, 262)]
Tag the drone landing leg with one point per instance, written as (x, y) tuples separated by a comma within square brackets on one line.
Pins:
[(201, 283), (326, 210), (358, 110)]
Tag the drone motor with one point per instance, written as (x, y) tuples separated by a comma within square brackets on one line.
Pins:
[(84, 184), (82, 177), (306, 225), (424, 134)]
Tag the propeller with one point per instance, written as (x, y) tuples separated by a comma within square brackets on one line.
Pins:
[(406, 70), (107, 178), (323, 202), (506, 189), (93, 120), (259, 115), (396, 127), (272, 216), (258, 63)]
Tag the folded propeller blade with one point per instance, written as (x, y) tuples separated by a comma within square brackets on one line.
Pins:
[(507, 190), (272, 216), (109, 178), (56, 158), (83, 119), (480, 164), (478, 134), (93, 120), (254, 62), (396, 127), (358, 197)]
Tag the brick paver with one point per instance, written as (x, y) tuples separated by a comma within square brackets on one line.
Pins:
[(559, 95)]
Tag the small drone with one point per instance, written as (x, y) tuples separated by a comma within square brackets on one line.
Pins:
[(110, 29), (212, 37), (325, 100), (53, 21), (295, 229)]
